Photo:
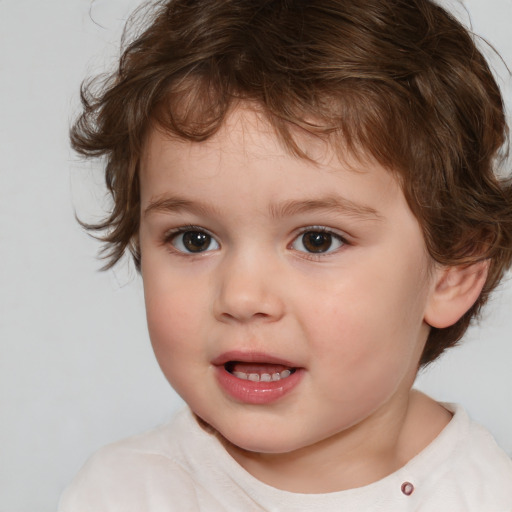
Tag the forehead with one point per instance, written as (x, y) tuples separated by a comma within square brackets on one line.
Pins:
[(253, 158), (246, 133)]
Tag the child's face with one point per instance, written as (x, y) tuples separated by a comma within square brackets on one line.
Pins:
[(259, 263)]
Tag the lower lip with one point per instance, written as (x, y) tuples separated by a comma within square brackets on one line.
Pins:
[(256, 393)]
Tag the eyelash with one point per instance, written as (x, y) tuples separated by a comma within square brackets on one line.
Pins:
[(171, 235)]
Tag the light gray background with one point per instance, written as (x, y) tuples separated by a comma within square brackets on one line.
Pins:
[(76, 368)]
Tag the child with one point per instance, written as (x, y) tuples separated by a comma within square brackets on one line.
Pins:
[(308, 191)]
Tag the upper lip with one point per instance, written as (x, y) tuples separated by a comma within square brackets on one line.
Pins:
[(251, 357)]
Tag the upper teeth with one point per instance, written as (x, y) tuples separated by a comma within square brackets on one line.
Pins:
[(264, 377)]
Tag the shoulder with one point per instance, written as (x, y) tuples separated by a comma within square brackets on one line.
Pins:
[(475, 450), (145, 472), (481, 462), (464, 469)]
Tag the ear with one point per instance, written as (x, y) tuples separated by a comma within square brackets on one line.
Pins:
[(456, 289)]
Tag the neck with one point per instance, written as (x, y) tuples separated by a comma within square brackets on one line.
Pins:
[(357, 456)]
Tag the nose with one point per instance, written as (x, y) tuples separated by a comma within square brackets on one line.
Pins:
[(248, 289)]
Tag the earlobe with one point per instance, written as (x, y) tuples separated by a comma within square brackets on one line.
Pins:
[(456, 289)]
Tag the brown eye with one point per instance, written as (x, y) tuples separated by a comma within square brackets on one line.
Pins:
[(317, 242), (194, 241)]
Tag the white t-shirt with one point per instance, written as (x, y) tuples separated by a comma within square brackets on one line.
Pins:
[(181, 467)]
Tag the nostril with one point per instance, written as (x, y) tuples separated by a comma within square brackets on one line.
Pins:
[(244, 315)]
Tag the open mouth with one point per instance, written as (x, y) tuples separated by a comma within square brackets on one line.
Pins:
[(258, 372), (256, 378)]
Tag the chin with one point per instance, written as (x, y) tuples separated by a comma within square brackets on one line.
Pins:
[(258, 440)]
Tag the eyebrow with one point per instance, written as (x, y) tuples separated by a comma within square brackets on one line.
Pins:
[(334, 204), (177, 204)]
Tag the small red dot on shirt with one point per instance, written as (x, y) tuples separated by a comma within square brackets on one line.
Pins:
[(407, 488)]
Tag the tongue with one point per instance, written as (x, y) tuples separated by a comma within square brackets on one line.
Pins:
[(259, 368)]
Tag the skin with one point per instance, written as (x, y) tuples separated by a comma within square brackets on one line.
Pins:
[(352, 317)]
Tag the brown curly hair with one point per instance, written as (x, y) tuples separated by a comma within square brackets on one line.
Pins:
[(401, 80)]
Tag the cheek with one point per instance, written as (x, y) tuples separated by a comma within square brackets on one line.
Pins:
[(367, 326), (360, 361), (173, 330), (172, 318)]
